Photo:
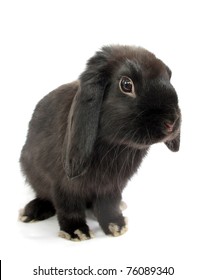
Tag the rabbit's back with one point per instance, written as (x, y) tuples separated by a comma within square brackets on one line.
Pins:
[(41, 156)]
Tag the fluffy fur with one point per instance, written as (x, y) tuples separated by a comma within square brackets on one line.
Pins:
[(87, 138)]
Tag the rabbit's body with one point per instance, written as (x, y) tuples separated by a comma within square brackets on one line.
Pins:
[(42, 164), (83, 146)]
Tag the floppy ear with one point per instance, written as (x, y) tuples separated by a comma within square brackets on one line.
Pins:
[(174, 144), (83, 118)]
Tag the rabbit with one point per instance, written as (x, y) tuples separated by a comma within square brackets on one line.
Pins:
[(87, 138)]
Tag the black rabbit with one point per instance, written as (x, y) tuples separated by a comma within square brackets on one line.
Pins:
[(87, 138)]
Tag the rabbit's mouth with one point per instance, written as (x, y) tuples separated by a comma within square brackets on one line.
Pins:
[(170, 127), (171, 135)]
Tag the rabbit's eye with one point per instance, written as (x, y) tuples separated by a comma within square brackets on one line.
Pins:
[(126, 86)]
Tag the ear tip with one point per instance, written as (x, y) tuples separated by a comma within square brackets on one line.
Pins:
[(72, 177), (71, 173), (74, 171)]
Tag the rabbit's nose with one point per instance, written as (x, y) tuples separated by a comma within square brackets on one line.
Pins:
[(169, 126)]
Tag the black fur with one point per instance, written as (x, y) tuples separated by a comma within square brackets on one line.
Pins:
[(87, 138)]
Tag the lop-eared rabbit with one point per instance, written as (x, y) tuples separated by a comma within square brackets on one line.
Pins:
[(87, 138)]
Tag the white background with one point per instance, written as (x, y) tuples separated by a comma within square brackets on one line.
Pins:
[(45, 44)]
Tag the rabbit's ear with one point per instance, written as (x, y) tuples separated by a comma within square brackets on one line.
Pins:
[(82, 128), (83, 119), (174, 144)]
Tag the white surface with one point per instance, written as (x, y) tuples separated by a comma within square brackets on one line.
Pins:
[(45, 44)]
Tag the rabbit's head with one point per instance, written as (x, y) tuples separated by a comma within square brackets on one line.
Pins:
[(125, 98)]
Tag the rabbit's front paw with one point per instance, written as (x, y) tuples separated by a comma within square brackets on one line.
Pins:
[(116, 229), (76, 231), (77, 235)]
